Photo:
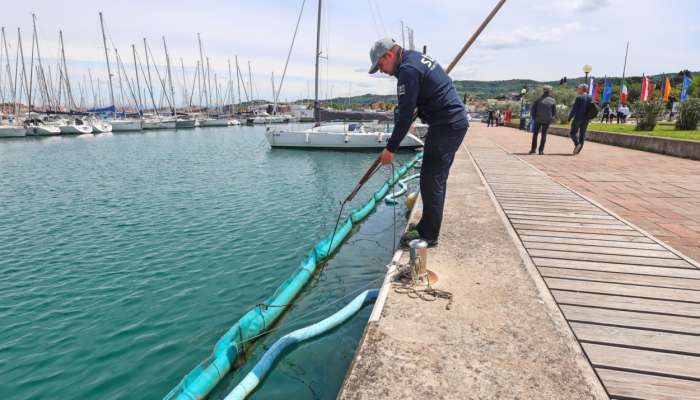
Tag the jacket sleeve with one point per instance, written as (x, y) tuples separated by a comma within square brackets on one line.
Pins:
[(554, 111), (573, 109), (408, 88), (533, 110)]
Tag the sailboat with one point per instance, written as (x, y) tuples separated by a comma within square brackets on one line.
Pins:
[(10, 129), (334, 136), (124, 124)]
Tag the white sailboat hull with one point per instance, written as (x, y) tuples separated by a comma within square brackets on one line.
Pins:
[(13, 131), (335, 140), (75, 129), (126, 125), (44, 130), (101, 127), (151, 124)]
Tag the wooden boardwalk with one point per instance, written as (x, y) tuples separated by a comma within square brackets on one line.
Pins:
[(632, 303)]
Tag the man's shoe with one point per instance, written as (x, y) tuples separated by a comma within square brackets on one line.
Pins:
[(541, 152), (578, 148), (411, 234), (531, 152)]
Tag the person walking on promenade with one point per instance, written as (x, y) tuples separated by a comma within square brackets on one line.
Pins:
[(543, 112), (606, 114), (423, 84), (490, 117), (581, 113)]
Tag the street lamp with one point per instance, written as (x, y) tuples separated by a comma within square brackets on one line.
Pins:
[(587, 70), (523, 92)]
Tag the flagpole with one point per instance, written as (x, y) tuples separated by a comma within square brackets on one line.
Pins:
[(624, 68)]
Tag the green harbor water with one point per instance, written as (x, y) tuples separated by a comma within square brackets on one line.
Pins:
[(124, 257)]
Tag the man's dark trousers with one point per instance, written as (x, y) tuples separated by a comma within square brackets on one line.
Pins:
[(578, 131), (441, 144), (539, 128)]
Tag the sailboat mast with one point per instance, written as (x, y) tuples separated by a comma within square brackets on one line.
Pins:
[(274, 96), (139, 106), (230, 90), (238, 82), (250, 81), (317, 111), (202, 88), (150, 81), (109, 70), (69, 92), (92, 89), (184, 86), (170, 77), (209, 84)]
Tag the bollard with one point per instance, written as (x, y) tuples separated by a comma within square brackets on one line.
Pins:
[(419, 258)]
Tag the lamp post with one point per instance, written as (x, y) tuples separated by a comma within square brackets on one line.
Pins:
[(587, 70), (523, 92)]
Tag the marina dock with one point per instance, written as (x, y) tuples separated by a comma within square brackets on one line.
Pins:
[(554, 296)]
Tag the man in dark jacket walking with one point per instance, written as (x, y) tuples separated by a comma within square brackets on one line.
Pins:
[(543, 112), (423, 84), (579, 113)]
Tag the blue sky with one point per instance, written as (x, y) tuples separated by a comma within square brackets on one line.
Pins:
[(538, 39)]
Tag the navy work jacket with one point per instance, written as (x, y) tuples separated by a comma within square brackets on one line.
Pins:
[(423, 84)]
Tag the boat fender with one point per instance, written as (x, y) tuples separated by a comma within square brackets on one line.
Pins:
[(347, 137), (307, 138)]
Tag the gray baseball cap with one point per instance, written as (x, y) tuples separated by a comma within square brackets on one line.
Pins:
[(380, 48)]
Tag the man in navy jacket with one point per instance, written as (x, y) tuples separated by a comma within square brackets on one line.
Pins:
[(423, 85), (579, 113)]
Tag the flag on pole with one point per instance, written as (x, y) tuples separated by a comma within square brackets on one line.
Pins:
[(607, 91), (666, 91), (645, 95), (623, 93), (593, 89), (686, 85)]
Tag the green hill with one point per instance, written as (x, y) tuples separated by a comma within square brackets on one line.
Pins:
[(496, 89)]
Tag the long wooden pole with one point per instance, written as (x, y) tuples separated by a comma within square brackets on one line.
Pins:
[(476, 34)]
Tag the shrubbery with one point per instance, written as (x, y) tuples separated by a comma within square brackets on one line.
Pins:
[(647, 112), (688, 115)]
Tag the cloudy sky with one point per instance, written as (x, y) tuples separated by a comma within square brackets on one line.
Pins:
[(538, 39)]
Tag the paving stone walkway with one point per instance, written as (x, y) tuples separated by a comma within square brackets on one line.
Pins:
[(660, 194)]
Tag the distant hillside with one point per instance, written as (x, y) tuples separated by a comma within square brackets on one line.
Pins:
[(494, 89)]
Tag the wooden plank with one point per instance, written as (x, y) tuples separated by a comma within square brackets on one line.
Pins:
[(570, 214), (507, 208), (624, 290), (610, 258), (643, 360), (615, 277), (689, 344), (578, 248), (567, 219), (631, 385), (577, 235), (575, 230), (539, 200), (632, 319), (593, 242), (540, 209), (565, 297), (608, 267), (612, 227)]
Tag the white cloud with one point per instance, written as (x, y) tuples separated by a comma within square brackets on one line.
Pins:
[(529, 36), (586, 5)]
